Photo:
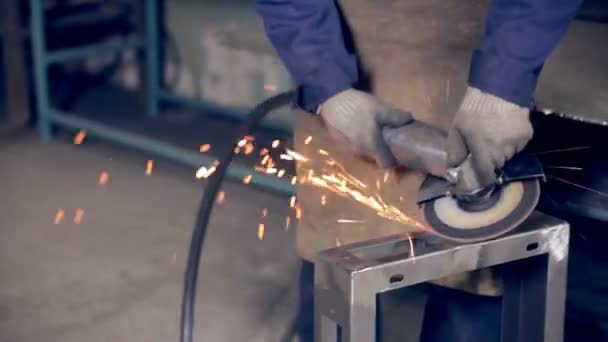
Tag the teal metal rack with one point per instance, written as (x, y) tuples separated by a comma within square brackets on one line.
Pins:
[(154, 96)]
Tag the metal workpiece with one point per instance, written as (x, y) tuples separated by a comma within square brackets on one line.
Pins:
[(531, 259)]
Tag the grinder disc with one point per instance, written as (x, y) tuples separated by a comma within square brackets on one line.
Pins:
[(516, 202)]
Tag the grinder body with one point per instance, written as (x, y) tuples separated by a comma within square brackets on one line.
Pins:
[(477, 213)]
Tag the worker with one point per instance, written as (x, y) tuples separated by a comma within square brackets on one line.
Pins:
[(491, 124)]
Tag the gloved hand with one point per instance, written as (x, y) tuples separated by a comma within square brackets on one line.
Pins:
[(358, 118), (491, 130)]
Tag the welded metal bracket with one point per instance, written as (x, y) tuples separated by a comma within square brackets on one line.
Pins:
[(349, 278)]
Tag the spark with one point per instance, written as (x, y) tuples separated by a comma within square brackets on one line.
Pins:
[(412, 252), (149, 167), (323, 152), (221, 197), (216, 163), (378, 184), (323, 200), (564, 150), (261, 230), (237, 150), (247, 179), (281, 173), (265, 212), (401, 198), (248, 148), (80, 136), (205, 148), (298, 213), (259, 168), (292, 202), (276, 143), (78, 216), (308, 140), (249, 138), (271, 170), (286, 156), (338, 243), (242, 142), (578, 185), (386, 176), (58, 216), (350, 221), (265, 159), (270, 87), (104, 177), (573, 168), (204, 172), (263, 151), (294, 180), (287, 222), (297, 156)]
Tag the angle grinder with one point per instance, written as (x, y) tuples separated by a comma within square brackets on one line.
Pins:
[(478, 213)]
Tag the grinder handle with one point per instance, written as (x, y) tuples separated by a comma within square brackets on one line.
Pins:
[(422, 147)]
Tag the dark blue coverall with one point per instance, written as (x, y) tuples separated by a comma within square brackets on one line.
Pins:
[(519, 36)]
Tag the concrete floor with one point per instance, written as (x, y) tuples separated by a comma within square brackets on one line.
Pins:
[(117, 276)]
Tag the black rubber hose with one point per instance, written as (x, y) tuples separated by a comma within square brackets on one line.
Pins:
[(204, 212)]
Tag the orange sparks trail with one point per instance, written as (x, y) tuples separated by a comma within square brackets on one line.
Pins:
[(247, 179), (221, 197), (323, 200), (298, 212), (205, 148), (281, 173), (103, 178), (292, 202), (79, 137), (294, 180), (237, 150), (287, 223), (350, 221), (58, 216), (265, 212), (216, 163), (276, 143), (242, 142), (263, 151), (78, 216), (386, 176), (261, 229), (334, 177), (323, 152), (308, 140), (338, 243), (149, 167)]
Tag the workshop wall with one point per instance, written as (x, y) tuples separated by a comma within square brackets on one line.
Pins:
[(217, 51)]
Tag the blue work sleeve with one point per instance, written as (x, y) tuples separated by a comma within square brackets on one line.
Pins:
[(309, 38), (519, 36)]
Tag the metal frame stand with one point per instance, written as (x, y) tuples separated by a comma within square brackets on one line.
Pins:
[(148, 43), (349, 278)]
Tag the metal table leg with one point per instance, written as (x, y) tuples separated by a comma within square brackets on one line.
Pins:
[(349, 278)]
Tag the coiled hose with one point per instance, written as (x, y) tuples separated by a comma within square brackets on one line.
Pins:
[(206, 205)]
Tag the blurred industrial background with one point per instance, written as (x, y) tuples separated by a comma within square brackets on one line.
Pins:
[(104, 112)]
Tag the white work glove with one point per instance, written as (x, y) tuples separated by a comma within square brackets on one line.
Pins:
[(357, 118), (491, 130)]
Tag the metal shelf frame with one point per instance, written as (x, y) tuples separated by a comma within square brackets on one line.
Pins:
[(48, 117)]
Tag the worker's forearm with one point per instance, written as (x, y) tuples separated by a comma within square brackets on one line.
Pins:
[(520, 35), (308, 37)]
